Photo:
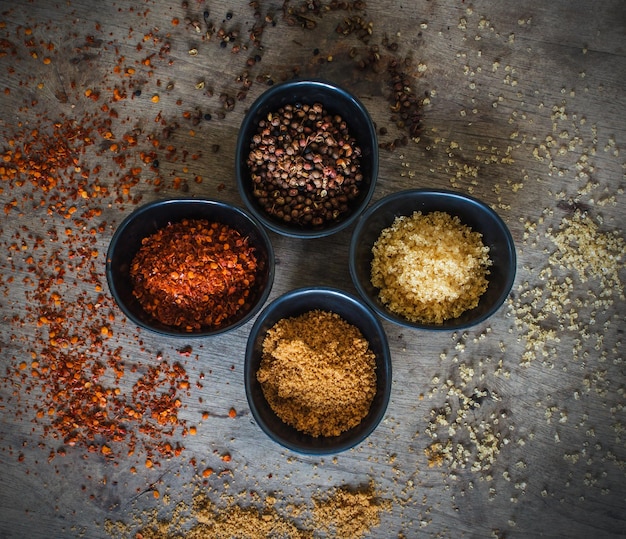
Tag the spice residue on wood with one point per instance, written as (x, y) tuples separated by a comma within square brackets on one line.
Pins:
[(318, 373), (194, 274), (430, 268), (342, 513)]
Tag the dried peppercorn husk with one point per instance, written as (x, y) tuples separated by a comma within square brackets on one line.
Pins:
[(194, 274), (305, 165)]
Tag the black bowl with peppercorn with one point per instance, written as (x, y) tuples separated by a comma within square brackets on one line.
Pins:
[(307, 158), (432, 259), (317, 370), (190, 267)]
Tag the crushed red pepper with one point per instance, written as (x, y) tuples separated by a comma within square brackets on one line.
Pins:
[(194, 274), (58, 167), (79, 371), (69, 376)]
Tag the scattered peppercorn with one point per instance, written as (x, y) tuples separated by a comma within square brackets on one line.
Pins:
[(404, 105)]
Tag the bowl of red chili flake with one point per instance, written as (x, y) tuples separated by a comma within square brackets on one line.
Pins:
[(190, 267), (306, 158)]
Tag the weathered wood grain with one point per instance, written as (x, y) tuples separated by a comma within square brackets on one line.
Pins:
[(524, 108)]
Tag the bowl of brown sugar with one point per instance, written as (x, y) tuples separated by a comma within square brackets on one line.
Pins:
[(317, 370), (432, 259), (190, 267), (306, 158)]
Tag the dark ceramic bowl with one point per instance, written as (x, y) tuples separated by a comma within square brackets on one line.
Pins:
[(472, 212), (355, 312), (146, 220), (336, 101)]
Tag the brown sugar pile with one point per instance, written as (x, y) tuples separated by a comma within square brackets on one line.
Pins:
[(342, 513), (349, 514), (203, 519), (430, 268), (318, 373)]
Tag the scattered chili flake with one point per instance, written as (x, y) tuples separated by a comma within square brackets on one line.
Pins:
[(232, 413), (75, 374), (194, 274)]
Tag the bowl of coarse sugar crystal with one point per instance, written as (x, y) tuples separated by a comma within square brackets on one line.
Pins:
[(190, 267), (317, 371), (432, 259)]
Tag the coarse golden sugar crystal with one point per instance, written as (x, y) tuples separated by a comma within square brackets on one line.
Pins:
[(430, 267)]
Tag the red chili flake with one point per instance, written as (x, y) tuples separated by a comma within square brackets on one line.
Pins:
[(71, 376), (194, 274)]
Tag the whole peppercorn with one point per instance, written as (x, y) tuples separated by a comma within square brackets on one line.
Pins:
[(305, 165)]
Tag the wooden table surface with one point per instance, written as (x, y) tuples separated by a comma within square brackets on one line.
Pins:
[(105, 106)]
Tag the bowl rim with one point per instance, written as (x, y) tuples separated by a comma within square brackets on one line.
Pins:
[(385, 359), (207, 202), (283, 229), (445, 193)]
